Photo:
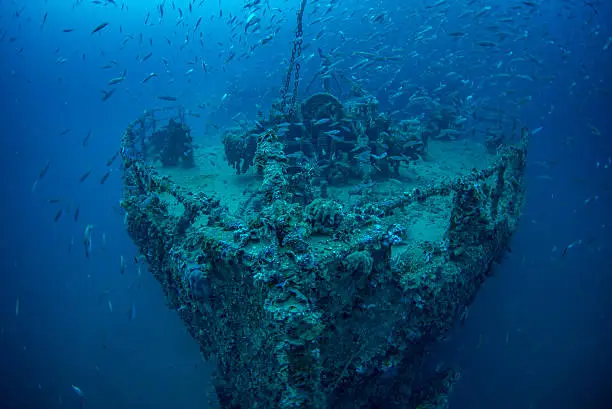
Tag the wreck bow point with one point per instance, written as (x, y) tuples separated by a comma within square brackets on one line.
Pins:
[(316, 257)]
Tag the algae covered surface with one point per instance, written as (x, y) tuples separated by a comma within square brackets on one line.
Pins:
[(320, 249), (316, 255)]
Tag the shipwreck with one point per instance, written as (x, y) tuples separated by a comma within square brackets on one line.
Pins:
[(319, 252)]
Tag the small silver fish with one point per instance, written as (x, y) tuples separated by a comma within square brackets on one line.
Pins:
[(87, 240), (115, 81), (322, 122), (78, 391), (133, 312), (149, 76)]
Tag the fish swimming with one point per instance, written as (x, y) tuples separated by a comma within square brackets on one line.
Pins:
[(44, 170), (133, 312), (78, 391), (107, 94), (112, 159), (87, 240), (85, 141), (148, 77), (197, 24), (119, 79), (146, 57), (322, 121), (99, 27), (85, 175), (105, 177)]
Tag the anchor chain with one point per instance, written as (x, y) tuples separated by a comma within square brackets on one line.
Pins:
[(296, 52)]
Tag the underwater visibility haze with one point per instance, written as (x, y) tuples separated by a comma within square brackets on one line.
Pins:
[(306, 204)]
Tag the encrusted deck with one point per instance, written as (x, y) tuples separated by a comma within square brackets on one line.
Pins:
[(212, 176)]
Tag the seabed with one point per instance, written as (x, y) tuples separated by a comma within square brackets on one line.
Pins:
[(317, 257)]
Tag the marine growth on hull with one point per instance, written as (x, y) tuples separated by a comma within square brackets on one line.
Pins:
[(317, 252), (315, 257)]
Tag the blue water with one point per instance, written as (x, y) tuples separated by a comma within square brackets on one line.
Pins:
[(538, 334)]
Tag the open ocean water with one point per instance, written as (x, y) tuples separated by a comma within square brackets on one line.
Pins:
[(538, 335)]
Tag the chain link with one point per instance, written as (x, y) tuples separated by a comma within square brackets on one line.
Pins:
[(285, 88), (296, 52)]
